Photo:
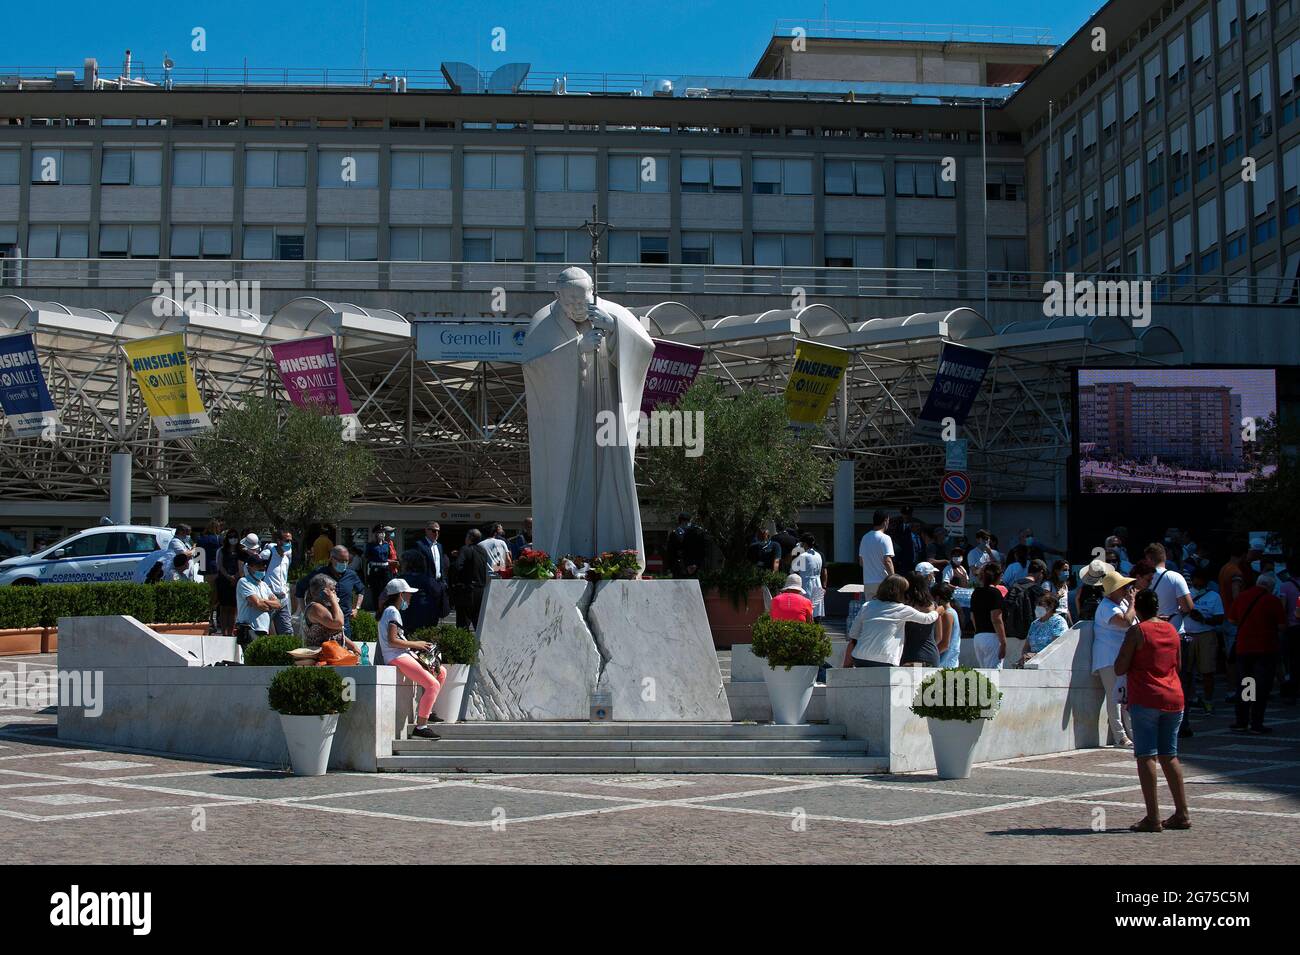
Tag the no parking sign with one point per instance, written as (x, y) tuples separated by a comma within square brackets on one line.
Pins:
[(954, 519), (955, 487)]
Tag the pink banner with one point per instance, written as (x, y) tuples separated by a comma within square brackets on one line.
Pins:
[(673, 368), (310, 372)]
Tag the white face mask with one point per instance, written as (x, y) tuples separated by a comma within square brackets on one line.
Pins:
[(957, 561), (1040, 612)]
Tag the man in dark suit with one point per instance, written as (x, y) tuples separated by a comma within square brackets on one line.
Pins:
[(469, 578), (908, 545), (437, 560)]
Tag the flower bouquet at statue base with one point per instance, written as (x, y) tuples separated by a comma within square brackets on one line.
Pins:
[(615, 565), (533, 564)]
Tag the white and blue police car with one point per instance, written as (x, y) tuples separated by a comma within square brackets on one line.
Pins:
[(110, 552)]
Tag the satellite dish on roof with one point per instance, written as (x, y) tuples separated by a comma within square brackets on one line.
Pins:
[(508, 78), (462, 78)]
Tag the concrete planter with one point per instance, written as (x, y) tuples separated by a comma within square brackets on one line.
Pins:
[(954, 746), (451, 697), (732, 624), (790, 692), (309, 739)]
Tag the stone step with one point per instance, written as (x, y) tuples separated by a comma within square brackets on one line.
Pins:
[(773, 765), (538, 730), (634, 747)]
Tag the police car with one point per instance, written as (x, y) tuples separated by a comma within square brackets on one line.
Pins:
[(100, 554)]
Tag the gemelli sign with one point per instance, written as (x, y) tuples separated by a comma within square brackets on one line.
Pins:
[(455, 341)]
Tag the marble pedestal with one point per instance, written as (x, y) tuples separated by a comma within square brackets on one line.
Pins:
[(545, 645)]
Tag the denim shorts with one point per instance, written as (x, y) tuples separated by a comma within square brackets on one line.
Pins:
[(1155, 732)]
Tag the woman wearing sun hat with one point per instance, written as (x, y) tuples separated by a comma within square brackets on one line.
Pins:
[(1115, 614), (791, 603)]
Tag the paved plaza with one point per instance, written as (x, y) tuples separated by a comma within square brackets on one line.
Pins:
[(64, 804)]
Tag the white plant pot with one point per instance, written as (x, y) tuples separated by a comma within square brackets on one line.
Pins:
[(790, 692), (309, 739), (954, 746), (447, 706)]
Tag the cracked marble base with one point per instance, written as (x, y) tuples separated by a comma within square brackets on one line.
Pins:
[(546, 644), (661, 663)]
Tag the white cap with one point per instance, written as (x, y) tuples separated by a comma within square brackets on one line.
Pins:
[(250, 541), (793, 582), (398, 586), (925, 567)]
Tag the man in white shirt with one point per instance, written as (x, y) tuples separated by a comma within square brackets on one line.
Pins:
[(254, 601), (1202, 629), (278, 555), (1170, 587), (174, 566), (498, 551), (875, 555), (981, 553)]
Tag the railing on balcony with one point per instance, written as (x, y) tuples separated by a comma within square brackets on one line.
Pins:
[(620, 279)]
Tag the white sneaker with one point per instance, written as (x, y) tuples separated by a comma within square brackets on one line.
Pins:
[(1124, 744)]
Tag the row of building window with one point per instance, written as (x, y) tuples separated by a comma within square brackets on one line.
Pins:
[(555, 172), (1102, 223), (433, 244)]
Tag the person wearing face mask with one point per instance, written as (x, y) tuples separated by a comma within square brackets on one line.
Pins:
[(1047, 626), (955, 572), (395, 650), (228, 575), (255, 602), (1058, 583), (378, 569), (351, 591), (279, 554)]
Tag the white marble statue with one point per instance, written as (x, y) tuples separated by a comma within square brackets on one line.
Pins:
[(572, 345)]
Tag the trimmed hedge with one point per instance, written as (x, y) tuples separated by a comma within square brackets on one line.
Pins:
[(790, 643), (365, 628), (307, 691), (271, 650), (42, 605)]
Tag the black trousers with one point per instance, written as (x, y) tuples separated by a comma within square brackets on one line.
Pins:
[(1259, 668), (468, 604)]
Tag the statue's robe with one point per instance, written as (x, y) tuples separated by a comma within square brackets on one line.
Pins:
[(560, 388)]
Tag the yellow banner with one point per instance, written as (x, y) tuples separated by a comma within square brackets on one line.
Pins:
[(814, 381), (162, 372)]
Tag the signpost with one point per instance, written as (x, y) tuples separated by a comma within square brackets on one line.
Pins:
[(955, 487)]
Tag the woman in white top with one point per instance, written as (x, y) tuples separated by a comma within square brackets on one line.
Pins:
[(876, 639), (394, 649), (811, 569), (1115, 614)]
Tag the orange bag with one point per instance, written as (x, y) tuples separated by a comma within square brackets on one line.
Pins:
[(333, 654)]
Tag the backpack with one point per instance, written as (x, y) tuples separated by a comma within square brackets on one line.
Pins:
[(1018, 609)]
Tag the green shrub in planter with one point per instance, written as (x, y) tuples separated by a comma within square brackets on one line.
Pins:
[(790, 643), (20, 608), (365, 628), (271, 650), (307, 691), (957, 693), (181, 601), (456, 644)]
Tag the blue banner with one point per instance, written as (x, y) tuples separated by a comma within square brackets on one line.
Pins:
[(23, 394), (956, 384)]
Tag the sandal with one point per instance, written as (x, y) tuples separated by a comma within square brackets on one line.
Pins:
[(1177, 822), (1145, 825)]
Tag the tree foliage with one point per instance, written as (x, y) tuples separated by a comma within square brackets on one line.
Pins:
[(1274, 489), (282, 466), (754, 468)]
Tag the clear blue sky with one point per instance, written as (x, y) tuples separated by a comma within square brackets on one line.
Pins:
[(667, 37)]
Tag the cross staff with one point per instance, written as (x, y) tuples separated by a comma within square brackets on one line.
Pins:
[(595, 228)]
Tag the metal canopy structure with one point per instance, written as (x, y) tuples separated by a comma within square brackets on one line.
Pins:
[(456, 432)]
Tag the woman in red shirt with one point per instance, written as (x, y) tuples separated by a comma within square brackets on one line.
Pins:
[(1150, 656), (790, 603)]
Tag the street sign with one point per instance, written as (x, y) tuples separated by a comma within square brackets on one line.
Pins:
[(955, 487), (954, 519), (955, 455)]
